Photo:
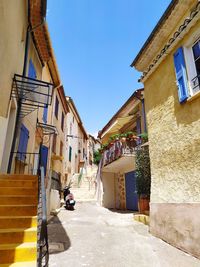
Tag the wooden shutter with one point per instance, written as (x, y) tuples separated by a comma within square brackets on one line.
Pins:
[(23, 142), (62, 121), (45, 112), (56, 107), (181, 76)]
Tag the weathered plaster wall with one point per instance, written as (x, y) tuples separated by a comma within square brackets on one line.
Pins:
[(174, 137), (178, 224)]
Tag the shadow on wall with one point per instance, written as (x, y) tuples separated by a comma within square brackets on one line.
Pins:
[(58, 239)]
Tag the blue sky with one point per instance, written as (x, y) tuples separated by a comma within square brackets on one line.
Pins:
[(95, 42)]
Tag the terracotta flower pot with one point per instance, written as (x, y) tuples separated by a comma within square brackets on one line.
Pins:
[(143, 204)]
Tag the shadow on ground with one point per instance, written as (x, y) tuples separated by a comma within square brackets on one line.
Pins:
[(58, 239), (123, 211)]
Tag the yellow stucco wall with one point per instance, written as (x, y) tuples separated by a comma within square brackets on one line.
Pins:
[(174, 136), (13, 26)]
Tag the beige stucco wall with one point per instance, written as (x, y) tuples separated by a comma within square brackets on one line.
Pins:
[(174, 136), (13, 32), (108, 181), (13, 26)]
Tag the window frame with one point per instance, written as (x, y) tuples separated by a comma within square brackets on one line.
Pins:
[(190, 61)]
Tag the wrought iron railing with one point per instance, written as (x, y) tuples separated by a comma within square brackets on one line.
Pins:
[(195, 82), (32, 90), (25, 163), (118, 149), (43, 247)]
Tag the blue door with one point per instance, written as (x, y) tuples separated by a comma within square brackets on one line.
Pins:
[(131, 194), (44, 157)]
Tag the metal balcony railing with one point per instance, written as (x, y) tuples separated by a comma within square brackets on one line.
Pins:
[(32, 93), (25, 163), (119, 149)]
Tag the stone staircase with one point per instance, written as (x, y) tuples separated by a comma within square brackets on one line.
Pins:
[(18, 220), (85, 191)]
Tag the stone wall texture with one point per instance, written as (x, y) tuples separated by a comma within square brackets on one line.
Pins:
[(174, 136)]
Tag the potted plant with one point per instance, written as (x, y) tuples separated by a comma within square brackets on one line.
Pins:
[(123, 137), (143, 179)]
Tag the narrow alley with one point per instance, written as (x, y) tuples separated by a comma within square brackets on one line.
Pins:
[(94, 236)]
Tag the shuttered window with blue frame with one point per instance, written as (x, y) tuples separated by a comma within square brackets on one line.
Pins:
[(181, 75), (23, 142), (31, 70)]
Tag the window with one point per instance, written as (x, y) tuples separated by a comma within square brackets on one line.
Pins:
[(70, 153), (54, 143), (187, 68), (23, 142), (61, 148), (45, 113), (62, 121), (31, 70), (56, 107), (196, 55)]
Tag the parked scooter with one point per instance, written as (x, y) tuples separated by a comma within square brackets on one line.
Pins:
[(69, 198)]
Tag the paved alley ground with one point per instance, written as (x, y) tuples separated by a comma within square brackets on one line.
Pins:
[(98, 237)]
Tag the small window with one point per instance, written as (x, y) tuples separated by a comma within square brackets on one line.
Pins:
[(70, 153), (54, 143), (56, 107), (61, 148), (62, 121)]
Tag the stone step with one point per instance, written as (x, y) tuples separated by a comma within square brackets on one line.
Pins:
[(18, 183), (18, 176), (18, 191), (9, 236), (7, 222), (12, 253), (18, 210), (11, 200)]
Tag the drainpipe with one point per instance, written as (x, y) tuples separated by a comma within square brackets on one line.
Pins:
[(19, 104), (143, 112)]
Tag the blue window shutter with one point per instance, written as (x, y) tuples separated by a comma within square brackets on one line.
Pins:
[(23, 142), (45, 112), (44, 158), (31, 70), (181, 76)]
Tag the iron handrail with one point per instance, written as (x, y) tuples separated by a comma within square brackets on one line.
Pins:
[(43, 247)]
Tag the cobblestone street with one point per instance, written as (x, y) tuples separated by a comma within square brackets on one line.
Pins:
[(98, 237)]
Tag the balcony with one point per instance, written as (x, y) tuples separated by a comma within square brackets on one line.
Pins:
[(120, 156), (32, 93)]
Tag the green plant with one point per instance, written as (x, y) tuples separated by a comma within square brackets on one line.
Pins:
[(144, 137), (143, 172), (97, 157), (114, 137)]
